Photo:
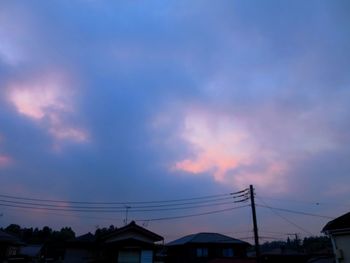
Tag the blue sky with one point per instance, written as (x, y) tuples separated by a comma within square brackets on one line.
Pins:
[(156, 100)]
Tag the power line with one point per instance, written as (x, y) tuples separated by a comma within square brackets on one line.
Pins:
[(306, 202), (275, 232), (295, 212), (214, 201), (192, 215), (284, 218), (109, 210), (101, 207), (117, 203)]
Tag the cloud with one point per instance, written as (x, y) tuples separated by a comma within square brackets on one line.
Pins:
[(47, 99), (259, 146), (40, 97), (222, 146), (219, 145), (235, 93)]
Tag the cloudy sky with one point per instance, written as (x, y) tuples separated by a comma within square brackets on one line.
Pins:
[(120, 101)]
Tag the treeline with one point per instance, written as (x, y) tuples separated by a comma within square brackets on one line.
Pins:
[(36, 235), (307, 245), (46, 234)]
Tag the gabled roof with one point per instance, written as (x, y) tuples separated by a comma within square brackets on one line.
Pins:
[(134, 228), (339, 224), (201, 238), (88, 237), (5, 237)]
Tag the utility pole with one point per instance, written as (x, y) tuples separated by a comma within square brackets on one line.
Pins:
[(296, 240), (256, 235)]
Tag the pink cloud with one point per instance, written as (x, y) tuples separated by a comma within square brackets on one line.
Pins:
[(224, 147), (219, 146), (37, 98), (48, 99)]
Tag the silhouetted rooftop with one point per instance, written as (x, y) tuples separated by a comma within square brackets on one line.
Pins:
[(5, 237), (340, 223), (206, 238), (88, 237), (134, 227)]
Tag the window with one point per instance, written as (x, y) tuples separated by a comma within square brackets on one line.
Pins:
[(227, 252), (202, 252)]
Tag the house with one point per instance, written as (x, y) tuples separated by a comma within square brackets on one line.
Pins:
[(31, 253), (339, 232), (81, 249), (130, 244), (9, 246), (205, 247)]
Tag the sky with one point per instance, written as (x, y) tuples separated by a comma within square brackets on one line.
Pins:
[(125, 101)]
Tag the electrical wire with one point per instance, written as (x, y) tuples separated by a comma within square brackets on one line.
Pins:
[(317, 203), (110, 210), (295, 212), (284, 218), (116, 203), (114, 207), (192, 215)]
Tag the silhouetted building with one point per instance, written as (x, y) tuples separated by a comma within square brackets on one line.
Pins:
[(9, 246), (130, 244), (204, 247), (82, 249), (339, 232)]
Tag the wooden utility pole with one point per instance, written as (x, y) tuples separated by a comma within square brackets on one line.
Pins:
[(256, 235)]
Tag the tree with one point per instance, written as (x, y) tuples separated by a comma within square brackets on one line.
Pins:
[(314, 244), (13, 229)]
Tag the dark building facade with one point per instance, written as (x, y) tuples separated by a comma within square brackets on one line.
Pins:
[(204, 247)]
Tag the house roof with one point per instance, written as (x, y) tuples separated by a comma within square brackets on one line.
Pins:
[(206, 238), (133, 227), (8, 238), (88, 237), (31, 250), (338, 224)]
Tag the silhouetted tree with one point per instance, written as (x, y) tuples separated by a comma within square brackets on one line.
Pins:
[(100, 232), (314, 244), (13, 229)]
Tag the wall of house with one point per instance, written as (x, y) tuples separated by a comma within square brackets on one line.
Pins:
[(130, 235), (194, 253), (135, 256), (77, 255), (341, 246)]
